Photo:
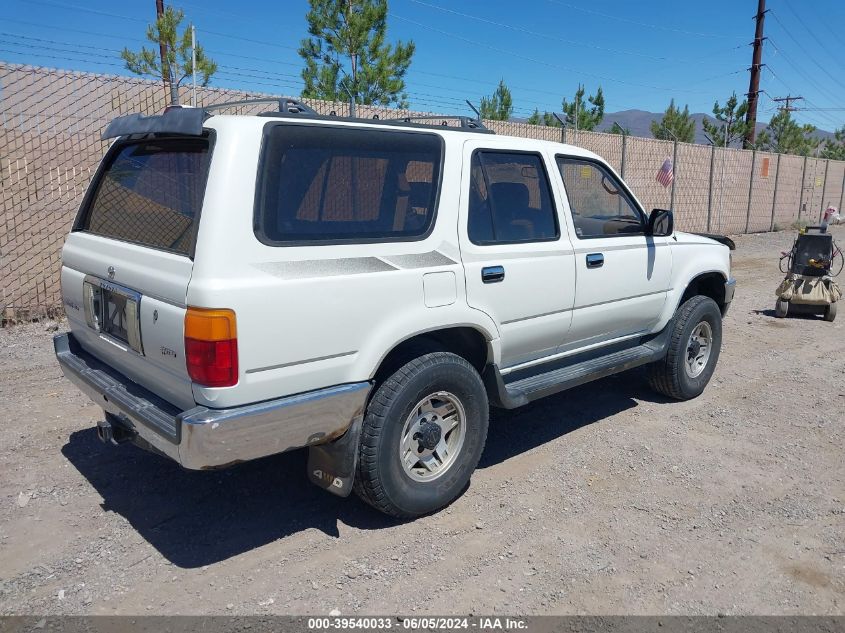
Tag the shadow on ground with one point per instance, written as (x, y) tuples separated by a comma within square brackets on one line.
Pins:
[(199, 518)]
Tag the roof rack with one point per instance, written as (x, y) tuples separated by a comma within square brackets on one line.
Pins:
[(464, 122), (287, 105)]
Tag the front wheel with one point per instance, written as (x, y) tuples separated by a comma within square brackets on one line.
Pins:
[(694, 345), (422, 436), (781, 308), (830, 312)]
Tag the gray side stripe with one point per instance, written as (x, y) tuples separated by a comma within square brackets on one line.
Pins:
[(325, 267), (420, 260), (299, 362)]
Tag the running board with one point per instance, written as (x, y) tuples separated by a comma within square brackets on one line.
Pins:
[(515, 394)]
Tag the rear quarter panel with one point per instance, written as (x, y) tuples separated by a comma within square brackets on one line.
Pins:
[(314, 316)]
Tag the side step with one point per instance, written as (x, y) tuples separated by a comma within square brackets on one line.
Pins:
[(510, 395)]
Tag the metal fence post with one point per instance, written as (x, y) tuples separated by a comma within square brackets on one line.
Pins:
[(674, 175), (842, 191), (775, 193), (801, 198), (750, 189), (824, 186), (710, 186), (624, 153)]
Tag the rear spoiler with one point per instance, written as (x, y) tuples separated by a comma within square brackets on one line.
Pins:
[(187, 121), (722, 239)]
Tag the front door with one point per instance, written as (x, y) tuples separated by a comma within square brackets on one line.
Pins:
[(623, 275), (517, 256)]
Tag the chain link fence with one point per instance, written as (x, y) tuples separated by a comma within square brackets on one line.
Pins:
[(51, 120)]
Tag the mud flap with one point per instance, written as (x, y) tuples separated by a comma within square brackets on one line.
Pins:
[(332, 466)]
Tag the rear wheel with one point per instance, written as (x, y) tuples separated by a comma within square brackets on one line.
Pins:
[(781, 308), (422, 436), (830, 312), (694, 346)]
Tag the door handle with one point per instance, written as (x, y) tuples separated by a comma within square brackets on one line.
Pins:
[(595, 260), (493, 274)]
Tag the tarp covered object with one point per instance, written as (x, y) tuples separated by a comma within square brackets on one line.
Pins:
[(809, 290)]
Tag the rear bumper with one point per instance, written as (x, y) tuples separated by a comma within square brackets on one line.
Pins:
[(201, 438)]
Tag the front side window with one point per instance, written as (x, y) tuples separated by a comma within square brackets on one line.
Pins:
[(510, 199), (332, 184), (599, 205)]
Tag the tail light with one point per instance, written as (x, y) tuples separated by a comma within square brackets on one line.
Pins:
[(211, 347)]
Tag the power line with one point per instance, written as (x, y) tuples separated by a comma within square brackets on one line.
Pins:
[(540, 61), (819, 41), (610, 16), (806, 52), (520, 29)]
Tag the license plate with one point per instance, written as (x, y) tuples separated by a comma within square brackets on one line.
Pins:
[(114, 312)]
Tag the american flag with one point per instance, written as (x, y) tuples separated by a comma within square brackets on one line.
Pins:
[(666, 174)]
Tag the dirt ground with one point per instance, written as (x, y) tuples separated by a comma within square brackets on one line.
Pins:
[(606, 499)]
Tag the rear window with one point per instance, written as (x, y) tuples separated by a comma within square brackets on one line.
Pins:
[(330, 184), (150, 193)]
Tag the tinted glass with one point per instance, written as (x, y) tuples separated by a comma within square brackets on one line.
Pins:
[(600, 208), (151, 193), (325, 183), (510, 199)]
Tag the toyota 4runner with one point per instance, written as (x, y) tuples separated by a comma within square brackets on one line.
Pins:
[(240, 286)]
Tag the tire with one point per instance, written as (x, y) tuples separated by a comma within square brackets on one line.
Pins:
[(670, 375), (781, 308), (404, 491), (830, 312)]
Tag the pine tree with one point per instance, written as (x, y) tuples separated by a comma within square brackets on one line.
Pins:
[(677, 124), (346, 55), (730, 123), (579, 115), (498, 106), (784, 135), (834, 148), (178, 62), (547, 118)]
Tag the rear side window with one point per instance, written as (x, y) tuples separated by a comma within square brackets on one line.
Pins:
[(150, 193), (509, 199), (330, 184)]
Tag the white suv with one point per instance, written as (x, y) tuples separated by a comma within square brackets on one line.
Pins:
[(239, 286)]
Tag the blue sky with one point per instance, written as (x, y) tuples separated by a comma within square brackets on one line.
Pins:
[(641, 53)]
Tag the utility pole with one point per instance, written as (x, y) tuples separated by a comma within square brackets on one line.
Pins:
[(787, 99), (754, 83), (194, 65), (162, 47)]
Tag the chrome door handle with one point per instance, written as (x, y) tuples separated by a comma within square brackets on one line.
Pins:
[(492, 274), (595, 260)]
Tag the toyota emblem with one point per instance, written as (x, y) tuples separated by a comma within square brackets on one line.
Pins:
[(111, 272)]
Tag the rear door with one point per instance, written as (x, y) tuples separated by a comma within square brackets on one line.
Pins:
[(128, 261), (517, 257)]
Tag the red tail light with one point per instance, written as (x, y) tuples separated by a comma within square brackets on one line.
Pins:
[(211, 347)]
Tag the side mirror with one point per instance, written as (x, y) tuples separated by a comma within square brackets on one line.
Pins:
[(661, 223)]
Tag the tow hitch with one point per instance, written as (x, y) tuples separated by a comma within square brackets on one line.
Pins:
[(110, 431)]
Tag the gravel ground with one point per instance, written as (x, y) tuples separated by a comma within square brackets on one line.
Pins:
[(605, 499)]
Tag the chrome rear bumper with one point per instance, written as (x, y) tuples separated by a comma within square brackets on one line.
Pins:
[(201, 438)]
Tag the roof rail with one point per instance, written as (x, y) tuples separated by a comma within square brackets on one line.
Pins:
[(287, 105), (464, 122)]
